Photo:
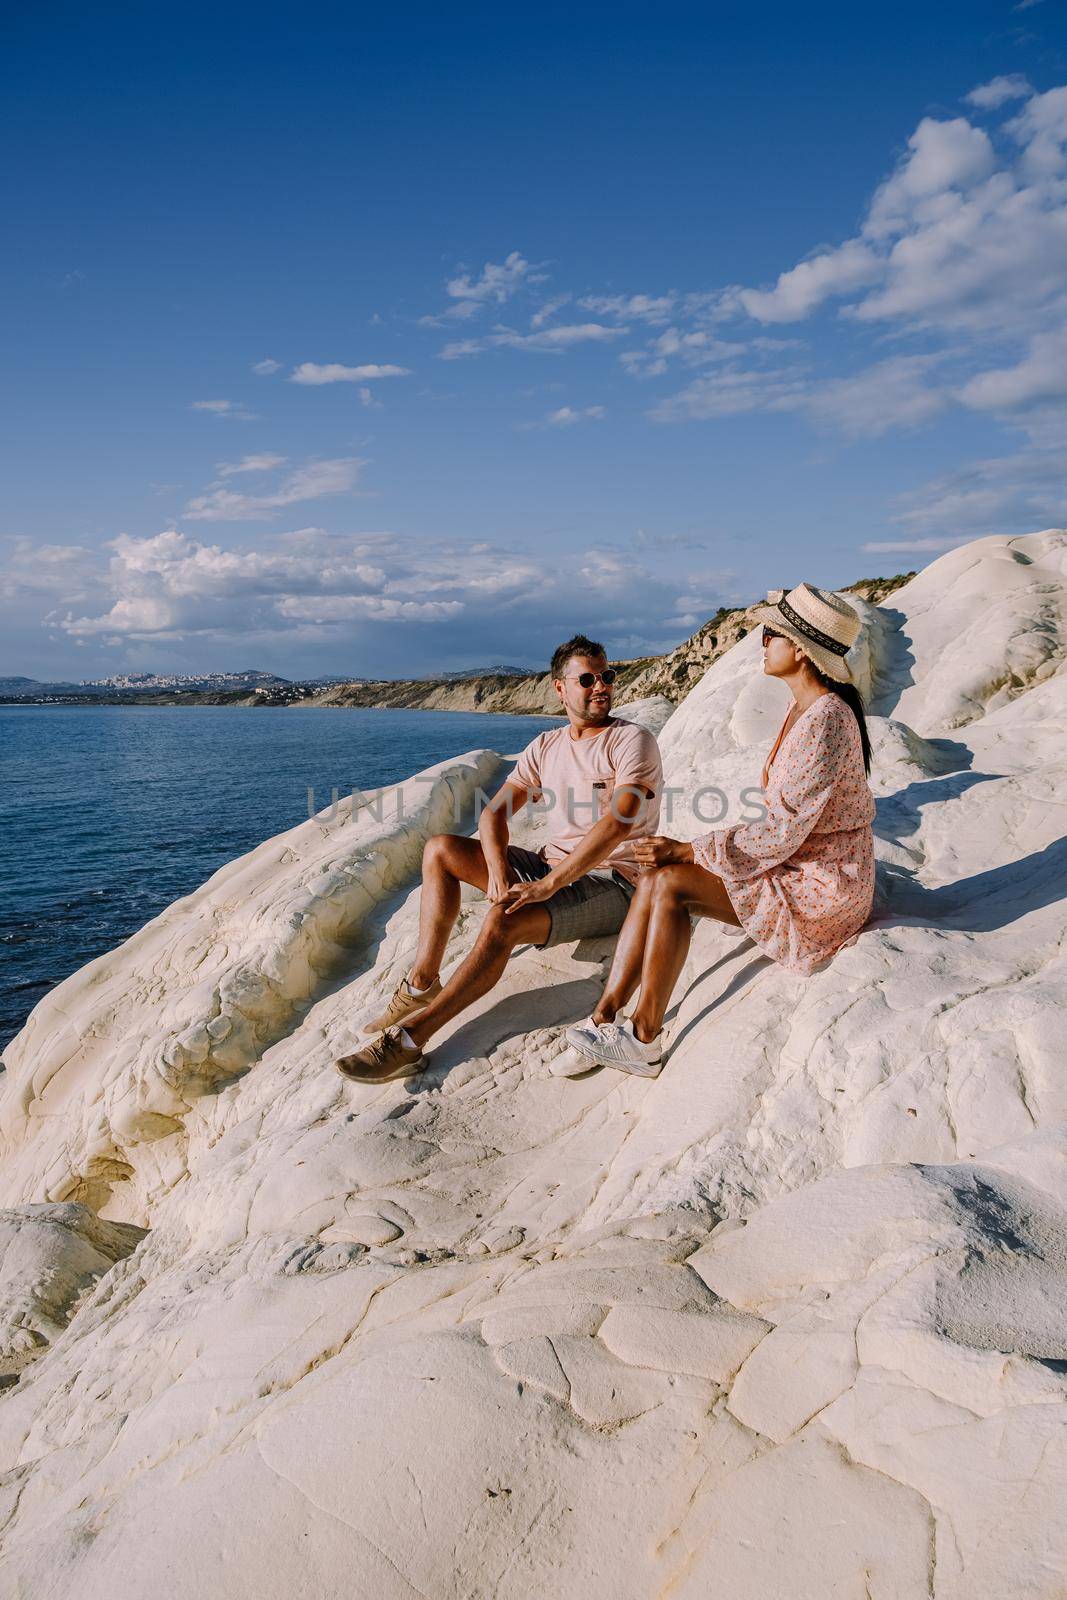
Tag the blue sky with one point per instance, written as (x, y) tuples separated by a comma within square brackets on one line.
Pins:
[(342, 343)]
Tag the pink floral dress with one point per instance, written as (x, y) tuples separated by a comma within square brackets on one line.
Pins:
[(802, 880)]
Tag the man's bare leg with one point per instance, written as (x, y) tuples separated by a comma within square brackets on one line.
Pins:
[(482, 967), (676, 891), (448, 860), (625, 974)]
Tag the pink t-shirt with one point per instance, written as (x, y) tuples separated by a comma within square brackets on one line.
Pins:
[(579, 776)]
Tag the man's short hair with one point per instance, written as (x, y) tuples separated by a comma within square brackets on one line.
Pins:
[(578, 646)]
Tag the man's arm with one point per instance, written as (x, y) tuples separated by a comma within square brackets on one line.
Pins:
[(626, 804), (493, 834)]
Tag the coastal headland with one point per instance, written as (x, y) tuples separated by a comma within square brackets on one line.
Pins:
[(788, 1319)]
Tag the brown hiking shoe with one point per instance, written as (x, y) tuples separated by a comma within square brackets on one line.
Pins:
[(383, 1061), (404, 1004)]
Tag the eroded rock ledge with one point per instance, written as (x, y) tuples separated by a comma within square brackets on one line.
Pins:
[(788, 1319)]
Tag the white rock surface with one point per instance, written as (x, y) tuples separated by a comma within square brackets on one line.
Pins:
[(652, 712), (788, 1319), (49, 1257)]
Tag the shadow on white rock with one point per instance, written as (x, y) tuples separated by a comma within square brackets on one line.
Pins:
[(50, 1257)]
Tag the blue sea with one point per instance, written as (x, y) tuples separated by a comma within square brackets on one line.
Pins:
[(108, 813)]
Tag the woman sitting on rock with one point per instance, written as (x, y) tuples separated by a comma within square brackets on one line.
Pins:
[(800, 881)]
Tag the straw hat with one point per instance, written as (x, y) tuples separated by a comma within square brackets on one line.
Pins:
[(818, 621)]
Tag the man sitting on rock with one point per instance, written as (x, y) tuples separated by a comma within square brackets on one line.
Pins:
[(600, 779)]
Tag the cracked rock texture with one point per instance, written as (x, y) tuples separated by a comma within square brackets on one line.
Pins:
[(788, 1319)]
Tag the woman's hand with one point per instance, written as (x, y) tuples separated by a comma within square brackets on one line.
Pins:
[(530, 894), (661, 852)]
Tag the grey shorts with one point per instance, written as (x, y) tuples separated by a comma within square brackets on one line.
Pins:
[(590, 908)]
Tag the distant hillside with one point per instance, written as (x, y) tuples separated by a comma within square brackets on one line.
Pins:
[(475, 672), (16, 687), (532, 694)]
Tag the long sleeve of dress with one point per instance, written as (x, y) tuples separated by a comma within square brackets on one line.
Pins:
[(795, 801)]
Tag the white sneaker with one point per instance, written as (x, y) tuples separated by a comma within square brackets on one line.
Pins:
[(618, 1046), (583, 1035), (571, 1063)]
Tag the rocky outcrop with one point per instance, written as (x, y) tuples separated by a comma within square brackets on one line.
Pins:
[(50, 1256), (786, 1320)]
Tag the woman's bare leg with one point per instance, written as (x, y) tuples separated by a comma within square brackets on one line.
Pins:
[(625, 974), (676, 891)]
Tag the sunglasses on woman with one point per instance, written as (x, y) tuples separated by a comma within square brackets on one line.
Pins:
[(769, 634), (587, 679)]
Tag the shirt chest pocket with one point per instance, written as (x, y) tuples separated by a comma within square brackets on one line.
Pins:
[(603, 790)]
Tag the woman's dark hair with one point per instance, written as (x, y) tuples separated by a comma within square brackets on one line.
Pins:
[(854, 700)]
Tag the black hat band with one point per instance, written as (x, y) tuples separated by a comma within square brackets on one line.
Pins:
[(814, 634)]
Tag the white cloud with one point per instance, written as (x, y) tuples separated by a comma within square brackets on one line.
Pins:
[(1000, 494), (694, 349), (458, 348), (231, 409), (726, 394), (261, 463), (998, 92), (964, 246), (265, 368), (893, 393), (554, 340), (897, 392), (986, 263), (351, 608), (313, 372), (911, 546), (773, 346), (944, 156), (802, 289), (326, 590), (1041, 128), (310, 482), (632, 307), (549, 309), (170, 585), (560, 337), (953, 239), (28, 568), (1040, 377), (509, 575), (497, 283), (566, 416)]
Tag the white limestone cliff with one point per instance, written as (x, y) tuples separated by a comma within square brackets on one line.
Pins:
[(788, 1319)]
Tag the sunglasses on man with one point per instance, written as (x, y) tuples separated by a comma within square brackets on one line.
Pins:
[(587, 679)]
